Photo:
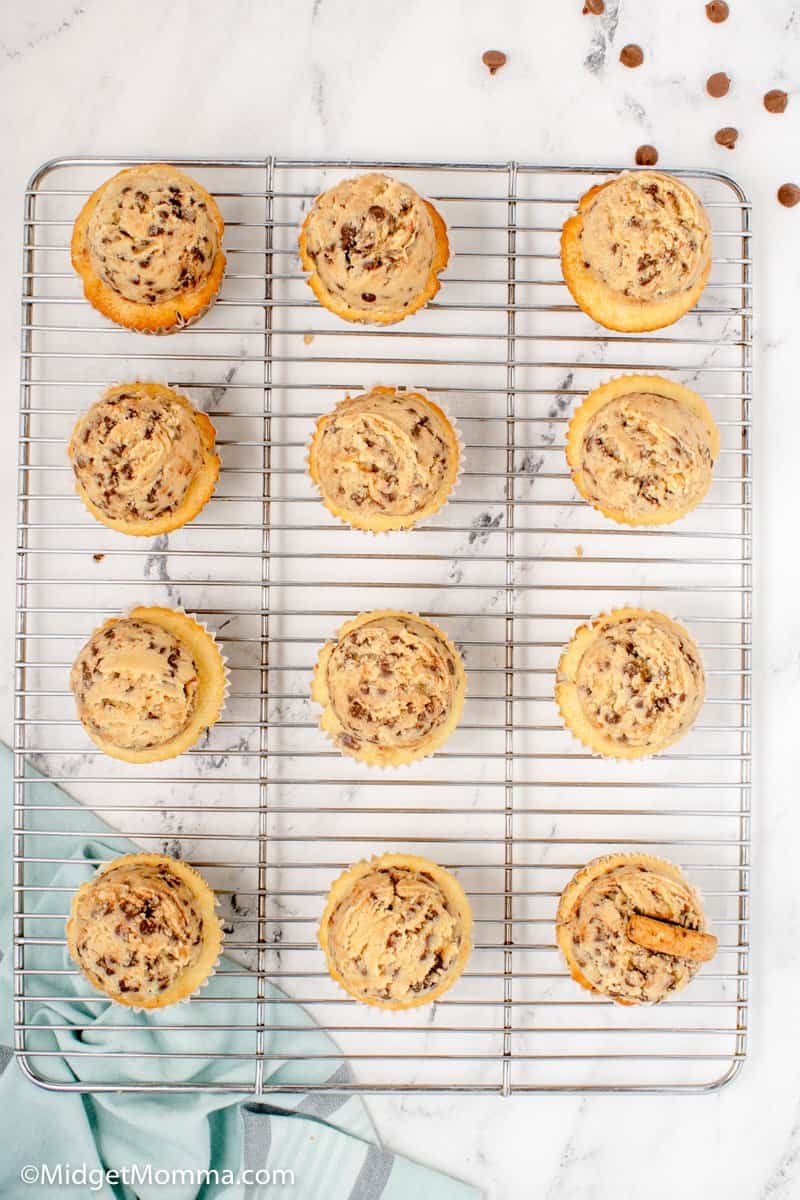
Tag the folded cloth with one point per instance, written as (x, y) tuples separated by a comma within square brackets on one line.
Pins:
[(315, 1146)]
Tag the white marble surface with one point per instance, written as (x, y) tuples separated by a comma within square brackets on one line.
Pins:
[(365, 79)]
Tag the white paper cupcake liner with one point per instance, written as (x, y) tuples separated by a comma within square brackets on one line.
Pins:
[(390, 766), (428, 398)]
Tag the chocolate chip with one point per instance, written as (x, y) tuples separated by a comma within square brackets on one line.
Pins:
[(594, 6), (377, 212), (717, 11), (494, 60), (98, 557), (776, 101), (789, 194), (727, 137), (718, 85), (646, 156), (631, 55), (368, 297)]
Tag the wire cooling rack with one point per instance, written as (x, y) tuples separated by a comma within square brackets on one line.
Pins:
[(264, 807)]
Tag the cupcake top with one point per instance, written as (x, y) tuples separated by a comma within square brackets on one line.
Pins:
[(593, 926), (135, 684), (392, 686), (151, 235), (136, 452), (643, 456), (630, 684), (396, 931), (646, 235), (385, 459), (372, 245), (143, 930)]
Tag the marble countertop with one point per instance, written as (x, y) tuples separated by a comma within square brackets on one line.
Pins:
[(355, 78)]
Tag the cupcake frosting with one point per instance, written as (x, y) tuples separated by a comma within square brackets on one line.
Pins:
[(643, 452), (596, 929), (396, 932), (387, 455), (151, 235), (639, 681), (372, 242), (135, 929), (135, 684), (646, 236), (135, 453), (391, 682)]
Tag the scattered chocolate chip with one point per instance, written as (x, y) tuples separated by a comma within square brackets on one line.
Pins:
[(727, 137), (595, 7), (718, 85), (631, 55), (717, 11), (789, 195), (494, 60), (368, 297), (646, 156), (776, 101), (98, 557)]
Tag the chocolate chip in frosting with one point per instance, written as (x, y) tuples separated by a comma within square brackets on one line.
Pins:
[(494, 60), (631, 55), (718, 85), (776, 101), (727, 137), (717, 11)]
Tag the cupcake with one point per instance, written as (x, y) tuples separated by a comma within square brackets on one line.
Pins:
[(148, 685), (631, 927), (642, 450), (392, 688), (396, 931), (148, 247), (630, 684), (384, 460), (144, 459), (144, 930), (373, 249), (638, 253)]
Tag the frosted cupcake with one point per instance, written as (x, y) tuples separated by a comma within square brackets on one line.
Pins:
[(144, 930), (637, 254), (396, 931), (148, 685), (144, 459), (148, 247), (642, 450), (384, 460), (631, 927), (630, 684), (373, 249), (392, 688)]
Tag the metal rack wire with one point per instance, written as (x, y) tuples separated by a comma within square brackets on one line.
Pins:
[(264, 807)]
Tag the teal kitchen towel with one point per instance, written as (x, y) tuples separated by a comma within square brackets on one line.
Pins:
[(140, 1146)]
